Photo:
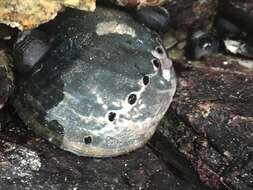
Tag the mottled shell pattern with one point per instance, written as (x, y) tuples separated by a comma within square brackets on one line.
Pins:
[(102, 88)]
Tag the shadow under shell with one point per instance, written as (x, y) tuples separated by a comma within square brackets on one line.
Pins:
[(102, 88)]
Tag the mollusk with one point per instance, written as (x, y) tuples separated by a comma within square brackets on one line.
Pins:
[(103, 86)]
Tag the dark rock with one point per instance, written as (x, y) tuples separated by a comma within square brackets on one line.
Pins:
[(7, 34), (156, 18), (239, 48), (6, 76), (211, 121), (238, 11), (30, 48), (191, 14), (204, 139), (35, 164), (202, 44), (226, 28)]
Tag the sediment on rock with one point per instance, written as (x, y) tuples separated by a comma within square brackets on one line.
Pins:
[(210, 121), (27, 161), (190, 14), (27, 14)]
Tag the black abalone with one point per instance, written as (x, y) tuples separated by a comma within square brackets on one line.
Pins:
[(103, 86)]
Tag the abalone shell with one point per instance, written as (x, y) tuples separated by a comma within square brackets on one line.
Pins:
[(102, 88)]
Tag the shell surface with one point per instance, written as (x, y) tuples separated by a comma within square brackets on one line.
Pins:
[(102, 88)]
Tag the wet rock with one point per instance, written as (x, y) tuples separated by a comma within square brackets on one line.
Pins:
[(212, 121), (239, 48), (29, 49), (238, 11), (191, 15), (8, 34), (202, 44), (175, 42), (35, 164), (170, 40), (204, 139), (27, 14), (156, 18), (18, 162), (226, 28), (6, 76)]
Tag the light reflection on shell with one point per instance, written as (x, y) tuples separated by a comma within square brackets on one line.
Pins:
[(98, 93)]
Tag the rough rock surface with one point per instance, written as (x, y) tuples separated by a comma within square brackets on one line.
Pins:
[(28, 162), (240, 11), (191, 14), (6, 77), (206, 135), (26, 14), (211, 120)]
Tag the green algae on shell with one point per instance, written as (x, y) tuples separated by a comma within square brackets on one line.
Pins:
[(102, 88)]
